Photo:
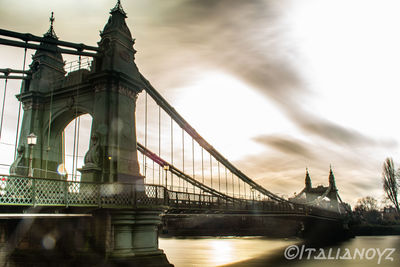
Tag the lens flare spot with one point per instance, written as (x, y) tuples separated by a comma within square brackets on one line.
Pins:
[(48, 242), (61, 169)]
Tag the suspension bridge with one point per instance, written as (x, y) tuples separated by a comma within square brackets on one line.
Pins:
[(140, 168)]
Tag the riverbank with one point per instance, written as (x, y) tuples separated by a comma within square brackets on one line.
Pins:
[(376, 230)]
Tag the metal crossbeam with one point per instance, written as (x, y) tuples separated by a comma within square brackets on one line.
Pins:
[(14, 77), (27, 37), (8, 71), (54, 49)]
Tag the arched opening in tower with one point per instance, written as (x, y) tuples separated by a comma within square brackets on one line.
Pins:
[(76, 140)]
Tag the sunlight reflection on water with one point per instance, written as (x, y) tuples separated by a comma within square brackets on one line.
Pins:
[(218, 251), (256, 251)]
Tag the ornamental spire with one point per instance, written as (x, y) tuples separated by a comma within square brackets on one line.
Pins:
[(51, 33), (308, 180), (118, 8), (332, 182)]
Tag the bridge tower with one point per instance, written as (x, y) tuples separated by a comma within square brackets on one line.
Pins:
[(107, 92), (331, 192)]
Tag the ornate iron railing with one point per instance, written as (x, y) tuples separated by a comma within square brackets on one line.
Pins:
[(28, 191), (15, 190)]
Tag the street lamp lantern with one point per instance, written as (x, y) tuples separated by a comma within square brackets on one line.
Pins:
[(166, 168), (32, 139)]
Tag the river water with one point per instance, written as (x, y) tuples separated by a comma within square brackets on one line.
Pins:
[(256, 251)]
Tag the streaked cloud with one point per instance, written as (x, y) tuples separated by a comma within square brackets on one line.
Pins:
[(178, 39), (286, 145)]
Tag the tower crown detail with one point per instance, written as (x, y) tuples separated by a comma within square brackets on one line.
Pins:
[(332, 182), (308, 179), (116, 27), (118, 8), (51, 33)]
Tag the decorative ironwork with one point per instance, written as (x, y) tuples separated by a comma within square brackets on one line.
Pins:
[(16, 190), (28, 191), (51, 33)]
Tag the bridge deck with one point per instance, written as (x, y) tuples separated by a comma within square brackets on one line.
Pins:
[(28, 191)]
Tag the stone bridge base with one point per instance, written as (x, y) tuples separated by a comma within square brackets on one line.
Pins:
[(107, 238)]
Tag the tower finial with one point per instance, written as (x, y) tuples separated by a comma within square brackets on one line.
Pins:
[(118, 7), (52, 19), (308, 180), (51, 33), (332, 182)]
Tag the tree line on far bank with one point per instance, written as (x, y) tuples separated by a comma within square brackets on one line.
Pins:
[(366, 209)]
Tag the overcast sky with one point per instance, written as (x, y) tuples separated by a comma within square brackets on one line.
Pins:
[(276, 86)]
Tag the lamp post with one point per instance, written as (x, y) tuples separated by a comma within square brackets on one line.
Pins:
[(31, 140), (166, 168)]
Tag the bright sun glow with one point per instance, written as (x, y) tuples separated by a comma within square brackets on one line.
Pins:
[(230, 114), (222, 252)]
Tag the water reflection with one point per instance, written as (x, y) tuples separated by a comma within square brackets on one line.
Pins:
[(256, 251), (218, 251)]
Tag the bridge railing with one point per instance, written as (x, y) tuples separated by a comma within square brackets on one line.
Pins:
[(27, 191), (193, 201)]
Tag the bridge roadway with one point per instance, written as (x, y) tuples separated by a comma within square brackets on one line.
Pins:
[(24, 192)]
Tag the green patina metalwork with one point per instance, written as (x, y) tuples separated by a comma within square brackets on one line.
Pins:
[(52, 98), (26, 191)]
